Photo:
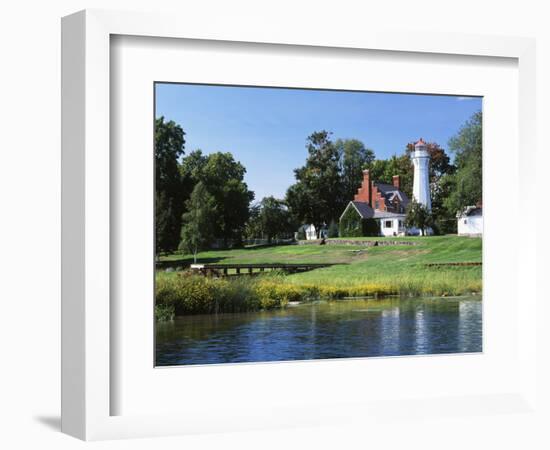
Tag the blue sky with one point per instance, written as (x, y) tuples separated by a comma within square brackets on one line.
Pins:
[(266, 128)]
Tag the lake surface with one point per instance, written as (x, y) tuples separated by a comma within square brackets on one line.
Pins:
[(339, 329)]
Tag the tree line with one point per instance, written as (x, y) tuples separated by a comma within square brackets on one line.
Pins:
[(199, 198)]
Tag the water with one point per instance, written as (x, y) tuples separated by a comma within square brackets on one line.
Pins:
[(340, 329)]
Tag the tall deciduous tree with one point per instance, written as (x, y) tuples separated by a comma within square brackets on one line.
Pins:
[(224, 180), (317, 195), (169, 195), (467, 181), (354, 158), (197, 231), (274, 218), (270, 219)]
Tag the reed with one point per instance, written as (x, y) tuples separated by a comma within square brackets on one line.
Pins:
[(194, 294)]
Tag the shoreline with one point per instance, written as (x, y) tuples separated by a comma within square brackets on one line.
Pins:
[(168, 312)]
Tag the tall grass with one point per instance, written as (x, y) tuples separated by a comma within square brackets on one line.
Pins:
[(193, 294)]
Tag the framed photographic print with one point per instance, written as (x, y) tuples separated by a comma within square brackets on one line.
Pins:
[(290, 215), (300, 245)]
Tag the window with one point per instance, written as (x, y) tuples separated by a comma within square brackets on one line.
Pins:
[(465, 221), (376, 205), (387, 224), (400, 224)]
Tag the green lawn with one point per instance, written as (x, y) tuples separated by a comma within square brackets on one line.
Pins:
[(400, 269)]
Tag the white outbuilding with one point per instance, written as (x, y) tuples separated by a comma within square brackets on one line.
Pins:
[(313, 234), (470, 221), (310, 231)]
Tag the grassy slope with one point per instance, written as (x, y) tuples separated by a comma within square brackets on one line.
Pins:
[(399, 266)]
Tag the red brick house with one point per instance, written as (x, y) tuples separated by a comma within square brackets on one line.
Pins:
[(380, 203)]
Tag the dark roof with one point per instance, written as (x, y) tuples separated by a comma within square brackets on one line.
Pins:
[(470, 211), (388, 190), (475, 212), (384, 187), (365, 211)]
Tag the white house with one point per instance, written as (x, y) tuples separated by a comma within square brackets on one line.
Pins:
[(386, 203), (470, 221)]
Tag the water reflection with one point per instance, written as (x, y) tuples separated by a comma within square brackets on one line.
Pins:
[(351, 328)]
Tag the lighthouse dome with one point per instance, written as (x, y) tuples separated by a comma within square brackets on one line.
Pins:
[(421, 149), (420, 143)]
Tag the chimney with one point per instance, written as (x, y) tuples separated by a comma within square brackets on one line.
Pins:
[(396, 181), (364, 192)]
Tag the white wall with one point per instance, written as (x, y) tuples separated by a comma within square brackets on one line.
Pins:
[(470, 225), (421, 183), (393, 229), (30, 187), (311, 232)]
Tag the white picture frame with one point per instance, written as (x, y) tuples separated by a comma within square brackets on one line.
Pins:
[(87, 328)]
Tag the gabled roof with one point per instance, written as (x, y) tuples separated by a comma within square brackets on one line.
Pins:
[(389, 191), (362, 208), (366, 212)]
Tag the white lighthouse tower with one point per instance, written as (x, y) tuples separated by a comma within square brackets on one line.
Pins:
[(421, 185)]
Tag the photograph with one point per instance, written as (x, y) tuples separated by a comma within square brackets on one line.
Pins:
[(305, 224)]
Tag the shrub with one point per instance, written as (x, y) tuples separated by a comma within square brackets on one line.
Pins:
[(351, 224), (195, 294), (273, 294)]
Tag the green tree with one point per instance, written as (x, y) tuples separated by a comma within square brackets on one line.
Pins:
[(197, 231), (169, 190), (444, 219), (274, 218), (418, 216), (354, 158), (224, 180), (467, 181), (269, 219), (378, 170), (317, 195), (253, 227), (300, 203), (191, 169), (333, 230)]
